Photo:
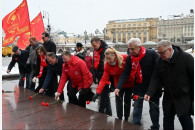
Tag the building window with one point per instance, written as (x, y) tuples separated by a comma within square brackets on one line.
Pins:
[(134, 24), (119, 25), (124, 25), (129, 34), (129, 25), (119, 34), (145, 33), (145, 24), (114, 25), (134, 34), (139, 34), (119, 39), (140, 24), (124, 34)]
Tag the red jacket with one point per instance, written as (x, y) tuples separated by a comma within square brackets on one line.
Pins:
[(89, 61), (114, 71), (77, 71)]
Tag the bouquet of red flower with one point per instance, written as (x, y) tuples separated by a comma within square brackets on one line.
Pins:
[(135, 97)]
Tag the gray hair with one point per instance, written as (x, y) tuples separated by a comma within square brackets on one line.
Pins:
[(164, 43), (137, 41), (66, 53)]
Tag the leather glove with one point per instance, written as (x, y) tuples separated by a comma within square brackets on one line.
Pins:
[(34, 79), (95, 97)]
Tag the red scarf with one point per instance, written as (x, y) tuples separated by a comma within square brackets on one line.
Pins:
[(43, 64), (136, 72), (97, 58)]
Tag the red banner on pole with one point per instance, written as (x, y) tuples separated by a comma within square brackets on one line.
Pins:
[(16, 23)]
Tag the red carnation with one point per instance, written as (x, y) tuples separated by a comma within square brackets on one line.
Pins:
[(16, 58), (47, 104), (30, 97), (135, 97), (88, 102), (24, 78), (43, 103)]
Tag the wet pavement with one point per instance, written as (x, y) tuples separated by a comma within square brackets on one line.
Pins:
[(18, 112)]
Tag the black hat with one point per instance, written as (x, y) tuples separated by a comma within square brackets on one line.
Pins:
[(79, 44), (15, 48)]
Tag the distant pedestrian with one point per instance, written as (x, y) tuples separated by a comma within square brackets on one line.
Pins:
[(20, 57), (89, 60), (80, 51), (49, 45), (174, 71)]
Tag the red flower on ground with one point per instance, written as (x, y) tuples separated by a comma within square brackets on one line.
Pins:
[(43, 103), (47, 104), (88, 102), (30, 97), (24, 78), (135, 97), (16, 58)]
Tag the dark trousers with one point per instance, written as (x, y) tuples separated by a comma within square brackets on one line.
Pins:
[(73, 98), (126, 93), (105, 106), (154, 110), (21, 80), (32, 84), (168, 120)]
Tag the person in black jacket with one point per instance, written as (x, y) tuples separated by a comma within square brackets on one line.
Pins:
[(140, 65), (20, 56), (174, 70), (80, 52), (54, 67), (98, 60), (49, 45)]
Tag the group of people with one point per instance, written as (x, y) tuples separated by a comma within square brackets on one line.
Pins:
[(144, 72)]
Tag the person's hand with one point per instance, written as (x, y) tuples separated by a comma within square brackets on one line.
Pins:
[(8, 71), (95, 97), (146, 97), (41, 90), (116, 91), (57, 95), (34, 79)]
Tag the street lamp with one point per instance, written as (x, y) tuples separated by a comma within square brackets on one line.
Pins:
[(96, 31), (46, 15), (104, 31), (85, 35)]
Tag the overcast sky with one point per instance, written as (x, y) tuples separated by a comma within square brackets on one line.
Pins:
[(76, 16)]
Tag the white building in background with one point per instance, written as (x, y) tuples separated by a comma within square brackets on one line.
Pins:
[(177, 28)]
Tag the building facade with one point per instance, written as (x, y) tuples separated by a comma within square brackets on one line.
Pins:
[(123, 30), (177, 28)]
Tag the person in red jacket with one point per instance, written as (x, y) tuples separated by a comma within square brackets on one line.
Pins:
[(76, 70), (89, 60), (114, 66)]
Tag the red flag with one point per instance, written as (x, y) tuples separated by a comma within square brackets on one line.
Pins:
[(37, 27), (16, 23)]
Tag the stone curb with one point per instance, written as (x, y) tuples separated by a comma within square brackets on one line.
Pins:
[(10, 76)]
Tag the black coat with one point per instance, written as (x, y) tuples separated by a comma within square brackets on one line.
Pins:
[(50, 46), (81, 54), (99, 72), (177, 78), (147, 66), (21, 60)]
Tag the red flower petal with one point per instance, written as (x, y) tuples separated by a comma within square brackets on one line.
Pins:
[(135, 97), (30, 97), (47, 104), (2, 91), (16, 58), (43, 103), (24, 78), (88, 102)]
